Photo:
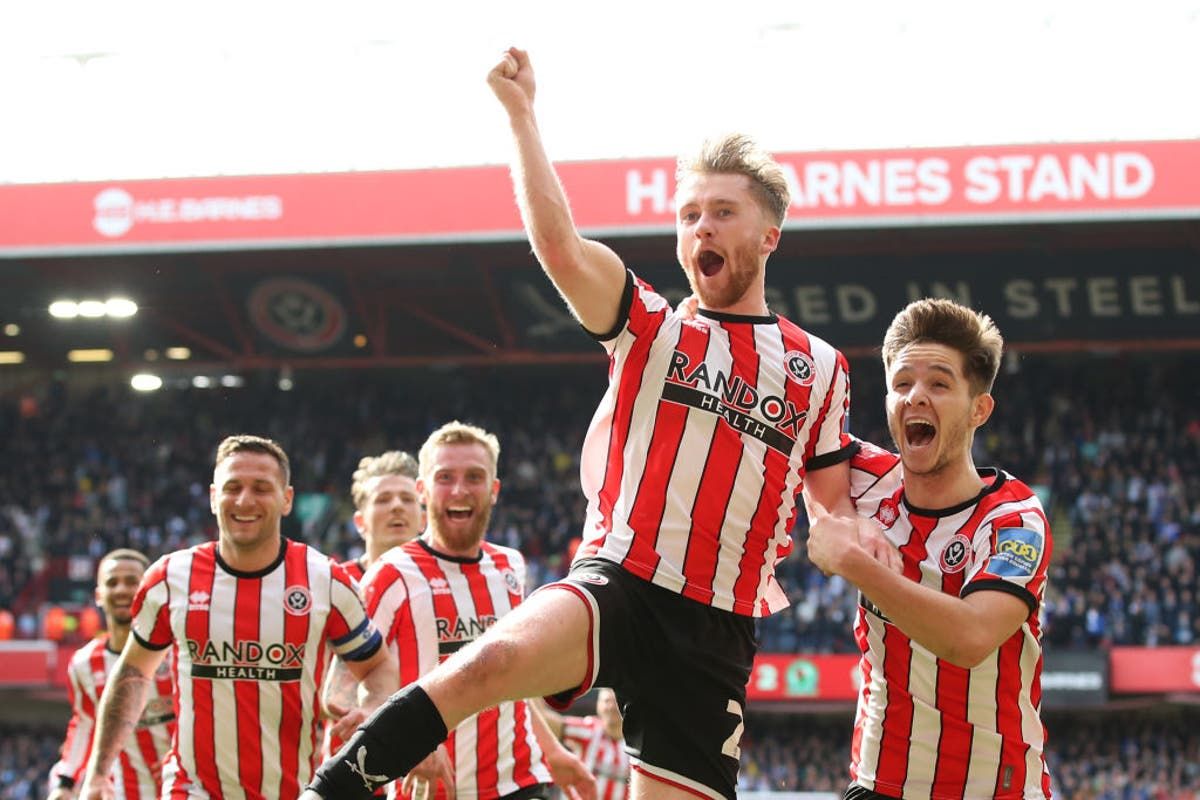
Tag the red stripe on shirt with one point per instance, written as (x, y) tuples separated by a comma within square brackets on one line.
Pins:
[(200, 579), (291, 714), (247, 603), (487, 723), (644, 325), (1010, 773), (897, 725), (650, 499), (720, 472)]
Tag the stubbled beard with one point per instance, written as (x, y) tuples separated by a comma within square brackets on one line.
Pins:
[(738, 283), (470, 537)]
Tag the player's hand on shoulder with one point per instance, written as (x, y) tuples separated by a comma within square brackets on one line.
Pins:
[(511, 80), (571, 775), (60, 793)]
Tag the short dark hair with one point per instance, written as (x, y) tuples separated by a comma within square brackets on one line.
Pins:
[(945, 322), (248, 443), (123, 554)]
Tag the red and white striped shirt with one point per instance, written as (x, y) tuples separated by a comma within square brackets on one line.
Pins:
[(137, 773), (252, 649), (603, 755), (697, 452), (927, 728), (430, 605)]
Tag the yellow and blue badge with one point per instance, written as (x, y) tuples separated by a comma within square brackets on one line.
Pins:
[(1018, 551)]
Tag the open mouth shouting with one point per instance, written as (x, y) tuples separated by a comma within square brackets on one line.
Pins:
[(710, 262), (919, 433), (459, 513)]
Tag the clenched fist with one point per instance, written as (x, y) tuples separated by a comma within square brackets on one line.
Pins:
[(512, 81)]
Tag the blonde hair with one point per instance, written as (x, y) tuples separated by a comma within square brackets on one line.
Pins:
[(941, 321), (393, 462), (738, 154), (458, 433), (248, 443)]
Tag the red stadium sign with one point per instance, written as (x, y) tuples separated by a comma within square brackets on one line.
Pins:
[(801, 677), (1154, 670), (620, 197)]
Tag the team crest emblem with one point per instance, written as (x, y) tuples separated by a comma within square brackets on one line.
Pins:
[(800, 366), (888, 513), (297, 600), (511, 582), (956, 553), (594, 578)]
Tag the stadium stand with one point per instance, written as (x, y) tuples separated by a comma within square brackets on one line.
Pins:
[(1111, 442)]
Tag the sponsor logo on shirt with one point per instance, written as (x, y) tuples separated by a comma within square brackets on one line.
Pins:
[(741, 405), (455, 634), (246, 660), (440, 586), (198, 600), (888, 512), (1018, 552)]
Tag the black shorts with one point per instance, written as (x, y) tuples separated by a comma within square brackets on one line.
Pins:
[(679, 669)]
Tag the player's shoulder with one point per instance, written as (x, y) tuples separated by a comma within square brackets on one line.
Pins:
[(499, 552), (83, 656), (1010, 494)]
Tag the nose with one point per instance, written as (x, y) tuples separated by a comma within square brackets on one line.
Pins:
[(704, 228), (916, 395)]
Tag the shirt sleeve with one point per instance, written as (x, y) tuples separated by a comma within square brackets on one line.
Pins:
[(1012, 554), (641, 309), (386, 595), (151, 624), (833, 443), (350, 632)]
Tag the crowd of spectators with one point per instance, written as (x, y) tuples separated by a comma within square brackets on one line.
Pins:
[(1148, 754), (1144, 754), (1111, 443)]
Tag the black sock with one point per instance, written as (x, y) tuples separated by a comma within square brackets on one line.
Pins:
[(392, 741)]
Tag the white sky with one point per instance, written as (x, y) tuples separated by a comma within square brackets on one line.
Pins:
[(132, 88)]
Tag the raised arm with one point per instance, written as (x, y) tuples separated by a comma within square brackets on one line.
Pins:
[(590, 277), (120, 707)]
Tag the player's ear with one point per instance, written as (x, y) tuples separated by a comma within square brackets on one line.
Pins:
[(981, 408)]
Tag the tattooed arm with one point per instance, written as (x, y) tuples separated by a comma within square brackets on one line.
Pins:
[(120, 707)]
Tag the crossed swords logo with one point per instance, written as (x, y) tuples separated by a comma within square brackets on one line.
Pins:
[(370, 781)]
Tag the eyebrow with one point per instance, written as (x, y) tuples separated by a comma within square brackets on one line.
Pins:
[(934, 367)]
